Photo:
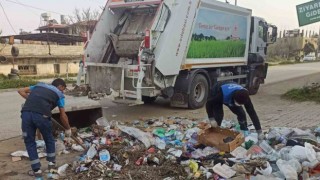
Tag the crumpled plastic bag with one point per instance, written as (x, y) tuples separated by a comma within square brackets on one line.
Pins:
[(299, 153), (277, 132), (265, 171), (25, 154), (145, 138), (60, 147), (190, 132), (287, 170)]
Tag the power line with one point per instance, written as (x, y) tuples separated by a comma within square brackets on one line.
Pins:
[(29, 9), (5, 14), (33, 7)]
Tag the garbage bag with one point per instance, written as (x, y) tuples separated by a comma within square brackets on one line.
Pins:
[(287, 170), (145, 138), (299, 153)]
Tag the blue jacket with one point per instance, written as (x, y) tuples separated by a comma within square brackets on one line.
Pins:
[(227, 91), (43, 99)]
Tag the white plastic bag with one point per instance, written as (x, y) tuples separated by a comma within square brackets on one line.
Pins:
[(310, 152), (62, 170), (145, 138), (285, 153), (103, 122), (267, 171), (296, 165), (299, 153), (77, 148), (288, 171)]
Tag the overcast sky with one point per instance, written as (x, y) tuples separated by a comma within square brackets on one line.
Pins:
[(282, 13)]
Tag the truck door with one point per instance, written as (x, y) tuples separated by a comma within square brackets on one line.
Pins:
[(262, 38)]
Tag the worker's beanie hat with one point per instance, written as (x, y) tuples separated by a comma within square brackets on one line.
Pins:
[(58, 82), (241, 96)]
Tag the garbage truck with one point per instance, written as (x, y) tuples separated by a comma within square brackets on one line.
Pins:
[(176, 49)]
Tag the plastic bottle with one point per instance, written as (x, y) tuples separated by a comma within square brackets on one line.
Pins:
[(266, 147), (104, 155), (92, 151)]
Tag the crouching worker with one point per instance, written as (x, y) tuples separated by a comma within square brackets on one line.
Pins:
[(233, 96), (41, 99)]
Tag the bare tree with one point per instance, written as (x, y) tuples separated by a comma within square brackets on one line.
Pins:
[(83, 20)]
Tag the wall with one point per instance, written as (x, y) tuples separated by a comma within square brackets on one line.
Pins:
[(42, 50), (44, 66), (38, 55)]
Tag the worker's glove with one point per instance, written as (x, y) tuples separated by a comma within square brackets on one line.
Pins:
[(213, 122), (68, 133), (245, 133)]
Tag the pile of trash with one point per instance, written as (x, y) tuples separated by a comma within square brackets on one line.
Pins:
[(180, 148)]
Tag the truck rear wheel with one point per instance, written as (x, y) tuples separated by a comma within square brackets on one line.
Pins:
[(199, 92)]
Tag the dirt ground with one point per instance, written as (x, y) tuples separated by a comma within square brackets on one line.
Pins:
[(272, 110)]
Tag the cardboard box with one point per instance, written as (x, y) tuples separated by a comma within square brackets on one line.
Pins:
[(214, 137)]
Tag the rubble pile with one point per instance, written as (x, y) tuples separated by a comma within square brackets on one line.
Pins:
[(180, 148)]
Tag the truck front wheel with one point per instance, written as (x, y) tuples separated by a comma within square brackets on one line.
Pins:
[(256, 82), (198, 92)]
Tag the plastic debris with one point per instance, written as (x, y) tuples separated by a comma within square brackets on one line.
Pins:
[(173, 145), (104, 156), (224, 171), (265, 171), (62, 170), (145, 138)]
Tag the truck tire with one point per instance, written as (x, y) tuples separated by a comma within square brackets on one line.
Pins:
[(148, 100), (256, 82), (199, 91)]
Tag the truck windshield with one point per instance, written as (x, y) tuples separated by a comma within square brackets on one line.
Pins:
[(263, 31)]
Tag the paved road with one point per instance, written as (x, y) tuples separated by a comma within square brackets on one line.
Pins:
[(285, 72), (11, 101)]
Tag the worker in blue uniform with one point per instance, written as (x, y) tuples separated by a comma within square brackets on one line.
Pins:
[(41, 99), (234, 96)]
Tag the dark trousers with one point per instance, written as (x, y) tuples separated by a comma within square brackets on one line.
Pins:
[(215, 110), (32, 121)]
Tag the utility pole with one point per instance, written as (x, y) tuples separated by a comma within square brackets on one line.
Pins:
[(235, 2)]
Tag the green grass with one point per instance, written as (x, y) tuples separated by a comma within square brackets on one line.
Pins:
[(306, 93), (16, 83), (288, 62), (6, 83), (216, 49), (48, 76)]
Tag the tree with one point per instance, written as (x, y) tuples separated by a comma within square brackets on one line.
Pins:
[(83, 20)]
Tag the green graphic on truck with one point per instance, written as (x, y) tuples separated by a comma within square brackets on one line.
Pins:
[(218, 35)]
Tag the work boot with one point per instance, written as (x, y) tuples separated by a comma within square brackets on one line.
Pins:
[(38, 175)]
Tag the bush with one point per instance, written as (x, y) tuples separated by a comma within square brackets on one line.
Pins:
[(6, 83), (306, 93)]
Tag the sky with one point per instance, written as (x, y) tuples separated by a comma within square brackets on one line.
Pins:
[(281, 13)]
